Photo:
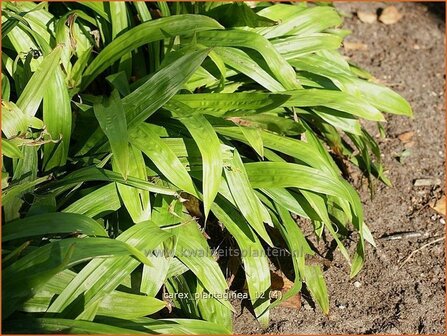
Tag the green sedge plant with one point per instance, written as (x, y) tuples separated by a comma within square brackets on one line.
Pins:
[(133, 133)]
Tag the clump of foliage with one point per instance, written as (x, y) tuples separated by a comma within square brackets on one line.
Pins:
[(133, 133)]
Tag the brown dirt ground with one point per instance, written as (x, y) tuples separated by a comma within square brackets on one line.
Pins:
[(392, 298)]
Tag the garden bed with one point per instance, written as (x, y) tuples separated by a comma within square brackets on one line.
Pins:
[(389, 296)]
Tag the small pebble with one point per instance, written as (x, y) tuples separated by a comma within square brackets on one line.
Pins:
[(357, 284), (367, 17), (424, 182), (433, 218), (307, 307), (442, 221), (341, 306)]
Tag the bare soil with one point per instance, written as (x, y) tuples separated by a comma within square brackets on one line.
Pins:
[(391, 296)]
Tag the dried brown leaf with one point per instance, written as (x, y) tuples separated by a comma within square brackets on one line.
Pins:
[(439, 205), (192, 204), (406, 136), (232, 269), (281, 283), (240, 121)]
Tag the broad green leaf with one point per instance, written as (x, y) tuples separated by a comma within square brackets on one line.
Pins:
[(256, 266), (102, 200), (127, 306), (119, 20), (11, 22), (25, 171), (278, 123), (176, 268), (143, 12), (32, 95), (304, 22), (98, 7), (368, 235), (294, 148), (341, 120), (164, 8), (51, 223), (153, 277), (241, 62), (194, 252), (15, 191), (104, 275), (284, 198), (245, 197), (164, 84), (296, 46), (166, 211), (163, 157), (217, 60), (97, 174), (137, 201), (313, 277), (238, 38), (57, 119), (212, 310), (209, 146), (35, 268), (18, 38), (62, 34), (282, 12), (55, 325), (124, 327), (188, 284), (75, 76), (201, 78), (358, 260), (298, 248), (231, 104), (112, 120), (197, 303), (6, 87), (14, 121), (318, 203), (145, 33), (282, 174), (293, 236), (238, 14), (10, 149), (336, 100), (381, 97), (377, 95), (254, 138), (85, 248), (119, 81), (57, 283), (120, 301), (318, 147)]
